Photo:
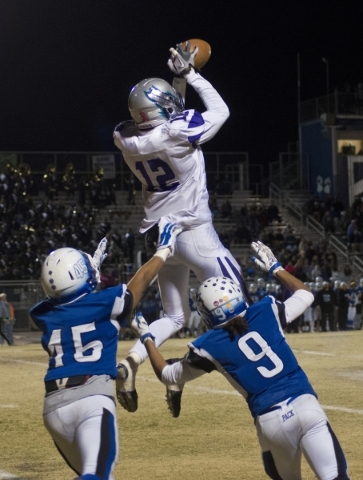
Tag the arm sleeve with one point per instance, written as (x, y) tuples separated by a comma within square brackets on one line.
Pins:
[(186, 369), (297, 304), (216, 112)]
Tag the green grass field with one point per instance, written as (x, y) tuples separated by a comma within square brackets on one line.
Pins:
[(214, 437)]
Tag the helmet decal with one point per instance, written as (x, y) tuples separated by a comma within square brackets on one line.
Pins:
[(220, 299), (67, 274), (153, 101), (170, 104), (80, 269)]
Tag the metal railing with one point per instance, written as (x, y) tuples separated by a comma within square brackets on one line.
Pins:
[(336, 103)]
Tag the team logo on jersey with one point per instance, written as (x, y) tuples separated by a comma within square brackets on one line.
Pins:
[(80, 269), (288, 415)]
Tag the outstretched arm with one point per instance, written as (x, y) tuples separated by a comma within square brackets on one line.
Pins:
[(179, 82), (217, 111), (302, 297), (141, 280), (171, 371)]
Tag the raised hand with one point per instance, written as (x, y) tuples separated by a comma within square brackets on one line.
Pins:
[(267, 261), (141, 328)]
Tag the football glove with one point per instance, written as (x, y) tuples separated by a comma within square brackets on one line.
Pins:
[(186, 53), (141, 328), (98, 258), (167, 236), (267, 261), (178, 64)]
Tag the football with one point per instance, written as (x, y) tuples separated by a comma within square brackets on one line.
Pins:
[(204, 51)]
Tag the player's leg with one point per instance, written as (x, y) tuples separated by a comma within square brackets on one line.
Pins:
[(71, 428), (173, 281), (319, 444), (205, 255), (280, 451)]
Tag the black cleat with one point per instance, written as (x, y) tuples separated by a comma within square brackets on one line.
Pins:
[(173, 399), (128, 400), (125, 387)]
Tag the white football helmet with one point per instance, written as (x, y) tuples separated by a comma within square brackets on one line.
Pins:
[(220, 299), (261, 283), (67, 274), (269, 287), (154, 101), (253, 288)]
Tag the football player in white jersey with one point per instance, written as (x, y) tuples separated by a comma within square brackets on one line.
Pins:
[(162, 147), (247, 346), (80, 334)]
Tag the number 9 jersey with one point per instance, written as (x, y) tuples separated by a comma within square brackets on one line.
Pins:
[(259, 364)]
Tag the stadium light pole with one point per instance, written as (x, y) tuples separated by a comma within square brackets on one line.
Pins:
[(325, 60)]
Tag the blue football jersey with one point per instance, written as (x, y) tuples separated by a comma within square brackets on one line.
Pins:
[(259, 364), (81, 337)]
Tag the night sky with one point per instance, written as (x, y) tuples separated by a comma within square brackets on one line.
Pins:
[(67, 66)]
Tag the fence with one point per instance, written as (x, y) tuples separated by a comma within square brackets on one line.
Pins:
[(22, 295)]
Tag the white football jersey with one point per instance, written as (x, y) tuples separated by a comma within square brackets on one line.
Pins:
[(169, 162)]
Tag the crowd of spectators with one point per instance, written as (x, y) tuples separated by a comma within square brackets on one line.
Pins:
[(337, 219), (32, 226), (301, 256), (244, 224)]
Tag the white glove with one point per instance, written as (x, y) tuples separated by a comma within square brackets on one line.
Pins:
[(178, 64), (267, 262), (167, 236), (141, 328), (98, 258)]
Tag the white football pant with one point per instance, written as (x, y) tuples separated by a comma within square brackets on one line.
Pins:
[(296, 428), (86, 435), (201, 251)]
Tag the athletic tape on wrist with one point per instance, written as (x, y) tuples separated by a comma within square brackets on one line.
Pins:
[(276, 267), (146, 337), (163, 253)]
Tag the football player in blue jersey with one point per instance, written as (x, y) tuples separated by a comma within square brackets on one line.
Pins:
[(246, 344), (80, 334), (162, 147)]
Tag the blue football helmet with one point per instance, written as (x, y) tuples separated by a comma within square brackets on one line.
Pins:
[(220, 299), (67, 274)]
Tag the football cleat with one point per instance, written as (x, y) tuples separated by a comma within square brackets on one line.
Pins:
[(173, 399), (125, 385)]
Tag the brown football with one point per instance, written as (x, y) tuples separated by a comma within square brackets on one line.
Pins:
[(204, 51)]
